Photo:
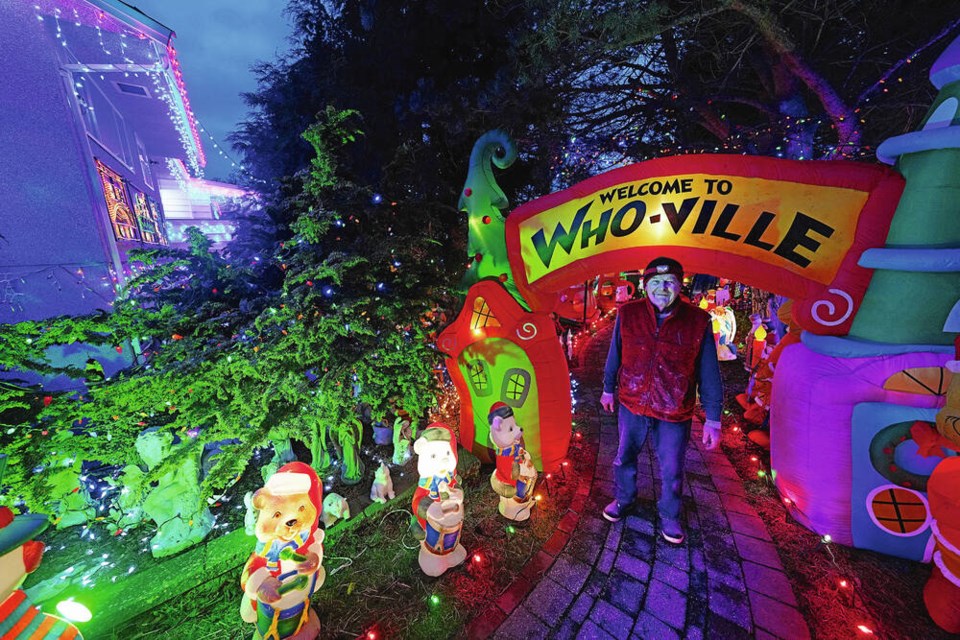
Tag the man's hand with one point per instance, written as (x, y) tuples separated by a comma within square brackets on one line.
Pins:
[(711, 434), (606, 401)]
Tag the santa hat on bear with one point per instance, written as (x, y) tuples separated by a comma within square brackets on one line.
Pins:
[(438, 431), (296, 478)]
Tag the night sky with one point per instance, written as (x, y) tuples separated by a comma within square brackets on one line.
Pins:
[(217, 42)]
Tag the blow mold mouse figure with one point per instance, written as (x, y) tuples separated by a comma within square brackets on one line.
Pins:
[(19, 555), (515, 476), (284, 570)]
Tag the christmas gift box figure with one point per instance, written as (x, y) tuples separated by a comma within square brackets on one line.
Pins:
[(20, 555), (515, 476), (285, 570), (437, 502)]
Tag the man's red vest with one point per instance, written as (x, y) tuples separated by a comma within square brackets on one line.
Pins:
[(658, 376)]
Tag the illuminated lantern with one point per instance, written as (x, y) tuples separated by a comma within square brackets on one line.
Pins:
[(498, 352), (20, 555)]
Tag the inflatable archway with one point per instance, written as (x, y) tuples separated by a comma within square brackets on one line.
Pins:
[(794, 227), (870, 256)]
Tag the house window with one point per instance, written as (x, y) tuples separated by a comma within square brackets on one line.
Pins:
[(144, 162), (516, 387), (148, 219), (102, 121), (482, 315), (479, 379), (124, 224), (157, 216)]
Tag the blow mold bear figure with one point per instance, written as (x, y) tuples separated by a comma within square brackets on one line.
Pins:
[(284, 570), (515, 476), (437, 502), (20, 555)]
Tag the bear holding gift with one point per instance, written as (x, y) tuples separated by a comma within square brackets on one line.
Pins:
[(285, 570), (437, 502), (515, 476)]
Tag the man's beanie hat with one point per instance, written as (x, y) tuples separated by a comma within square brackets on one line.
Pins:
[(499, 409), (662, 266)]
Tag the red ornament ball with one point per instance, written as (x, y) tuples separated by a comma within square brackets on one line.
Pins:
[(478, 257), (503, 277), (468, 192), (487, 219)]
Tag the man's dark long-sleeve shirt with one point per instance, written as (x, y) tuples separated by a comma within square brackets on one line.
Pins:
[(707, 367)]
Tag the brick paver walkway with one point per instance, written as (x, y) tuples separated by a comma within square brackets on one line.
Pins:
[(594, 579)]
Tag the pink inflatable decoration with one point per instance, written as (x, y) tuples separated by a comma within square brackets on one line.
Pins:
[(821, 464)]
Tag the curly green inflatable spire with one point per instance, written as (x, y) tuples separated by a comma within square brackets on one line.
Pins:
[(483, 201), (914, 296)]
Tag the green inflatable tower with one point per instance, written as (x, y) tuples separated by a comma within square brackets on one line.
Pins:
[(916, 285)]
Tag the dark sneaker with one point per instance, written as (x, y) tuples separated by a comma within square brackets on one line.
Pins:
[(615, 511), (672, 532)]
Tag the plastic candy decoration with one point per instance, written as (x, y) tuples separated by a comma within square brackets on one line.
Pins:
[(437, 502), (497, 352), (382, 488), (942, 591), (20, 555), (515, 476), (285, 569)]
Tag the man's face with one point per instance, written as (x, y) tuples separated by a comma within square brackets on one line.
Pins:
[(662, 290)]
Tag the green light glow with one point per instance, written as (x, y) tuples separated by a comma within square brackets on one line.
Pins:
[(73, 611), (434, 600)]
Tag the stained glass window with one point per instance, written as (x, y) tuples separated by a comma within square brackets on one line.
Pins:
[(148, 217), (158, 217), (124, 224)]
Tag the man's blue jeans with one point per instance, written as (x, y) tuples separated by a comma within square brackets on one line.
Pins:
[(669, 442)]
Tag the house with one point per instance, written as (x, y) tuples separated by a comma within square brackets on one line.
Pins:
[(100, 154)]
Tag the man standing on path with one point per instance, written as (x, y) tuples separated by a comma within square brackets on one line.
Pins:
[(662, 351)]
